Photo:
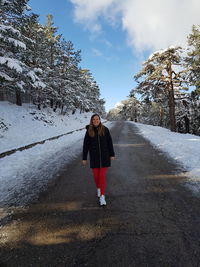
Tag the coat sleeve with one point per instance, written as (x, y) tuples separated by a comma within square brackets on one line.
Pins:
[(110, 143), (85, 146)]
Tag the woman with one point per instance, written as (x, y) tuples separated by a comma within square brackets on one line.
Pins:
[(98, 142)]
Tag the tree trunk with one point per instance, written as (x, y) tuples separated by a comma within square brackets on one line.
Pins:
[(18, 98), (51, 102), (39, 103), (172, 112), (81, 108), (135, 115), (161, 116), (56, 106), (187, 124), (62, 107), (171, 101), (2, 94)]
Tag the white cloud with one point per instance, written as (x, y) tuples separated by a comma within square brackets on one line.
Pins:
[(97, 52), (88, 11), (106, 42), (150, 25)]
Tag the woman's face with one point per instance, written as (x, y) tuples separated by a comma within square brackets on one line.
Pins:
[(95, 121)]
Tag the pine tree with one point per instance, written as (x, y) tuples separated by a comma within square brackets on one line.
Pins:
[(11, 68), (68, 75), (51, 53), (130, 109), (16, 76), (192, 73), (159, 81), (193, 58), (38, 65), (34, 58)]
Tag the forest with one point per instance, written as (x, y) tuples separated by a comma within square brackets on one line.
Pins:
[(168, 89), (37, 65)]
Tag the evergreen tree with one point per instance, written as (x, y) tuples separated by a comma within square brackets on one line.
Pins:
[(12, 70), (51, 53), (38, 65), (35, 59), (193, 58), (130, 109), (159, 80), (16, 76), (190, 106)]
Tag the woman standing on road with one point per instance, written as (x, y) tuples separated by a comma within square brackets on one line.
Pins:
[(98, 142)]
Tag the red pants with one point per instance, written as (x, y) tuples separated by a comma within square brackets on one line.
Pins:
[(100, 178)]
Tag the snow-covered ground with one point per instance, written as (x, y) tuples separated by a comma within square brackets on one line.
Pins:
[(24, 174), (27, 124), (184, 148)]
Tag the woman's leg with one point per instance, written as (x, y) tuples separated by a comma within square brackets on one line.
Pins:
[(96, 176), (102, 180)]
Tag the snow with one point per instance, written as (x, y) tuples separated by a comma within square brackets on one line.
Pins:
[(184, 148), (38, 70), (5, 28), (17, 43), (162, 51), (27, 124), (35, 79), (5, 2), (20, 85), (26, 173), (39, 84), (6, 77), (11, 63), (28, 7), (32, 75)]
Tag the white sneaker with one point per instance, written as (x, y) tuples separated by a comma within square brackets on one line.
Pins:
[(102, 200), (98, 192)]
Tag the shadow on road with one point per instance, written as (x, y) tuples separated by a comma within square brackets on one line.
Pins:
[(151, 219)]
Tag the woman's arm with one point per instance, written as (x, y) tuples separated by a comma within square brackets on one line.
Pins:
[(110, 143), (85, 147)]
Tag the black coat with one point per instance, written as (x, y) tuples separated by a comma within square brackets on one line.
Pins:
[(100, 148)]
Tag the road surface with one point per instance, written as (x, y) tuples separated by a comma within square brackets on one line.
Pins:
[(151, 218)]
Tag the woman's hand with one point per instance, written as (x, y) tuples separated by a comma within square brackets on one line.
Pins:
[(112, 158), (84, 162)]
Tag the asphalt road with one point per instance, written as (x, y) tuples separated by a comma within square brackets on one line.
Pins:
[(151, 218)]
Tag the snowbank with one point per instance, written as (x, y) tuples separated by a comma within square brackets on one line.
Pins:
[(184, 148)]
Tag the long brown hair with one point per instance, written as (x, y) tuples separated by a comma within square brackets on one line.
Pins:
[(101, 128)]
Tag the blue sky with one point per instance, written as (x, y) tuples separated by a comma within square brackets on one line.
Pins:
[(116, 36)]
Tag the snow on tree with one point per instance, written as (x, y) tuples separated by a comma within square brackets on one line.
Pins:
[(37, 64), (91, 92), (12, 70), (193, 58), (161, 78), (15, 75), (188, 113), (35, 59), (128, 109), (115, 113), (194, 114)]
